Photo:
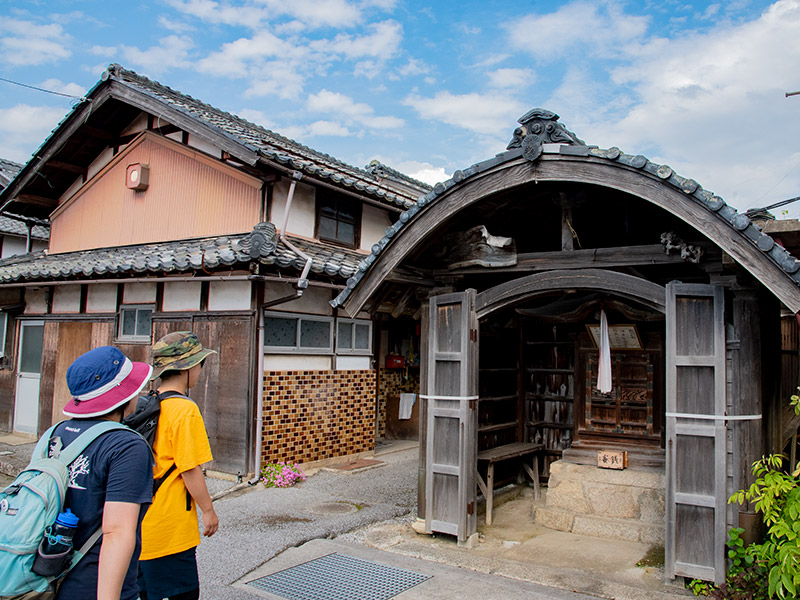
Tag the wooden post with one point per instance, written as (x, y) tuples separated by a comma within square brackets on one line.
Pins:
[(423, 406)]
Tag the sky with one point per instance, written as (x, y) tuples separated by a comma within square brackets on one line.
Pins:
[(431, 87)]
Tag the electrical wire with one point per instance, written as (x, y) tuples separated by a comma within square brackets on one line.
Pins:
[(38, 89)]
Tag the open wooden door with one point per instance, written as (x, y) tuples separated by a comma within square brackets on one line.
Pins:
[(452, 395), (695, 415)]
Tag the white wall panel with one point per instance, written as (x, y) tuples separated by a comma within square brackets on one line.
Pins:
[(139, 293), (67, 299), (181, 296), (35, 301), (374, 222), (101, 298), (229, 295), (303, 216), (353, 363), (296, 362)]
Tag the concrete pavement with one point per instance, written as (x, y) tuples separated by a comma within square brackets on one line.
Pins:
[(367, 514)]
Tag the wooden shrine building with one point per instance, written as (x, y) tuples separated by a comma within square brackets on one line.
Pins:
[(512, 262)]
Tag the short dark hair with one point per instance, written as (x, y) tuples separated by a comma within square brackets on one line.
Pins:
[(170, 373)]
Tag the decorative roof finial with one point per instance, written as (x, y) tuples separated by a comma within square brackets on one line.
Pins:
[(540, 126)]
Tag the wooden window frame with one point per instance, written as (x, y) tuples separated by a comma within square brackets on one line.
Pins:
[(134, 339), (325, 198)]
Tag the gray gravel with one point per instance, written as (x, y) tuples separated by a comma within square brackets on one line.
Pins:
[(258, 523)]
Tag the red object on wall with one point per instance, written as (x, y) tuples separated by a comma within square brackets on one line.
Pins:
[(395, 362)]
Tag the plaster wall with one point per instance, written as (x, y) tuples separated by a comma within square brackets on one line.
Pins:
[(35, 301), (67, 299), (229, 295), (302, 218), (101, 298), (374, 222), (181, 296), (139, 293), (313, 301)]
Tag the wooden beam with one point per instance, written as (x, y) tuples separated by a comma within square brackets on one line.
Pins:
[(621, 256), (101, 134), (415, 277), (620, 284), (62, 166), (37, 200)]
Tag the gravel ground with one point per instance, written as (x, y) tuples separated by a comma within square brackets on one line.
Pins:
[(258, 523)]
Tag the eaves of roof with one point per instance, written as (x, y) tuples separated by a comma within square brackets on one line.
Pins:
[(270, 146), (739, 222), (181, 256)]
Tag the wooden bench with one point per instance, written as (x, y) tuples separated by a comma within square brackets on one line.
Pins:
[(507, 452)]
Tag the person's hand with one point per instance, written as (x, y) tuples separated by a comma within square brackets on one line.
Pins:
[(210, 523)]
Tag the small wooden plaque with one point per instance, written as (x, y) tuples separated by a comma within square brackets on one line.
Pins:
[(612, 459), (620, 337)]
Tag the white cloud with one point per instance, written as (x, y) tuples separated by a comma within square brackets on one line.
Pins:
[(174, 26), (382, 43), (236, 58), (331, 128), (600, 27), (23, 127), (512, 79), (24, 43), (255, 15), (173, 51), (352, 112), (481, 113), (56, 85)]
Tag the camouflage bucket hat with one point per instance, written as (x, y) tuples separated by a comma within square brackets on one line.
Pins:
[(178, 351)]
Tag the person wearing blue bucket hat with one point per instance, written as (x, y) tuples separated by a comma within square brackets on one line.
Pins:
[(110, 483)]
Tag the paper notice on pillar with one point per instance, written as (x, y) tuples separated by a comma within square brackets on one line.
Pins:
[(406, 404)]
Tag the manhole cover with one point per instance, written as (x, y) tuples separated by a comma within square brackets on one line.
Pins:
[(338, 576), (333, 508)]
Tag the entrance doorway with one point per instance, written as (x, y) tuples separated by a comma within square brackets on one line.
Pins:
[(29, 372)]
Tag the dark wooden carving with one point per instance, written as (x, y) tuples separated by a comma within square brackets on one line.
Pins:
[(673, 244), (477, 247), (540, 126)]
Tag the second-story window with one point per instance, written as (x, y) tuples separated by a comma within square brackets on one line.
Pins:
[(338, 220)]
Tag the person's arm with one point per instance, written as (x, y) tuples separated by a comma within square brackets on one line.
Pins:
[(195, 482), (120, 520)]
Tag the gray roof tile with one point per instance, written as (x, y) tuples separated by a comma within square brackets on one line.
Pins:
[(181, 256)]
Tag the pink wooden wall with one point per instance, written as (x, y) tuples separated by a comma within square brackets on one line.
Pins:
[(190, 195)]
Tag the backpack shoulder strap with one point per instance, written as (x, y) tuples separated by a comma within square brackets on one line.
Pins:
[(73, 450), (41, 446)]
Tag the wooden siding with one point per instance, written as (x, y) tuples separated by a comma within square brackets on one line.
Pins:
[(224, 392), (190, 195)]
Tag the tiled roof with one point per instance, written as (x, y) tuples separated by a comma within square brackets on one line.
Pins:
[(8, 170), (15, 227), (205, 254), (270, 145), (383, 171), (575, 147)]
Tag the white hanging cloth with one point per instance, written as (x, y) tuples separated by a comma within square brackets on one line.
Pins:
[(406, 405), (604, 367)]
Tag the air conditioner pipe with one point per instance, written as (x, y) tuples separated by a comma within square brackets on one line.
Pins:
[(302, 282)]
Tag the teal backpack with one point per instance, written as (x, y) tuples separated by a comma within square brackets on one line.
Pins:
[(31, 504)]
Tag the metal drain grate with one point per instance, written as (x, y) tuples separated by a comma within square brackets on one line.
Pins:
[(338, 576)]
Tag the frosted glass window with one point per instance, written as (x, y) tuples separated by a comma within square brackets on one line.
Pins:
[(285, 332), (280, 332), (135, 323), (353, 336)]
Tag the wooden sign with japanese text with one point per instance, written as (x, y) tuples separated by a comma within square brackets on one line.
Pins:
[(612, 459)]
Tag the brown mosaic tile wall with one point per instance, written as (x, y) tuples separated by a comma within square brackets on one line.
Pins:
[(393, 382), (312, 415)]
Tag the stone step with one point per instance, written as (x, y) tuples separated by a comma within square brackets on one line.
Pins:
[(628, 530)]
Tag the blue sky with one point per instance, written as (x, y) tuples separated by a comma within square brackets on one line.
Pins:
[(432, 87)]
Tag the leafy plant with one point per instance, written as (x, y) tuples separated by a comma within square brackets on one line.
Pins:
[(281, 474)]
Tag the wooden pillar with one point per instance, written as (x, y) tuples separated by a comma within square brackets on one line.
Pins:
[(751, 350), (423, 406)]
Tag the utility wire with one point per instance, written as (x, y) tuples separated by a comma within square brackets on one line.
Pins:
[(38, 89)]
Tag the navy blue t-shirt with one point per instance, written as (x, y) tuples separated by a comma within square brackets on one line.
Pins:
[(116, 467)]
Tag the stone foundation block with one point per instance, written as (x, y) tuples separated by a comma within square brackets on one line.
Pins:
[(614, 501), (612, 529), (567, 494), (554, 519)]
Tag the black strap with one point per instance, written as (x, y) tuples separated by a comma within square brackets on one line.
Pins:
[(158, 482)]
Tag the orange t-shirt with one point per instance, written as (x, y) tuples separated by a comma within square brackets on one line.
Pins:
[(181, 439)]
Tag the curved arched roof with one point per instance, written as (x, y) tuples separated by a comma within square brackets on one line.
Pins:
[(543, 150)]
